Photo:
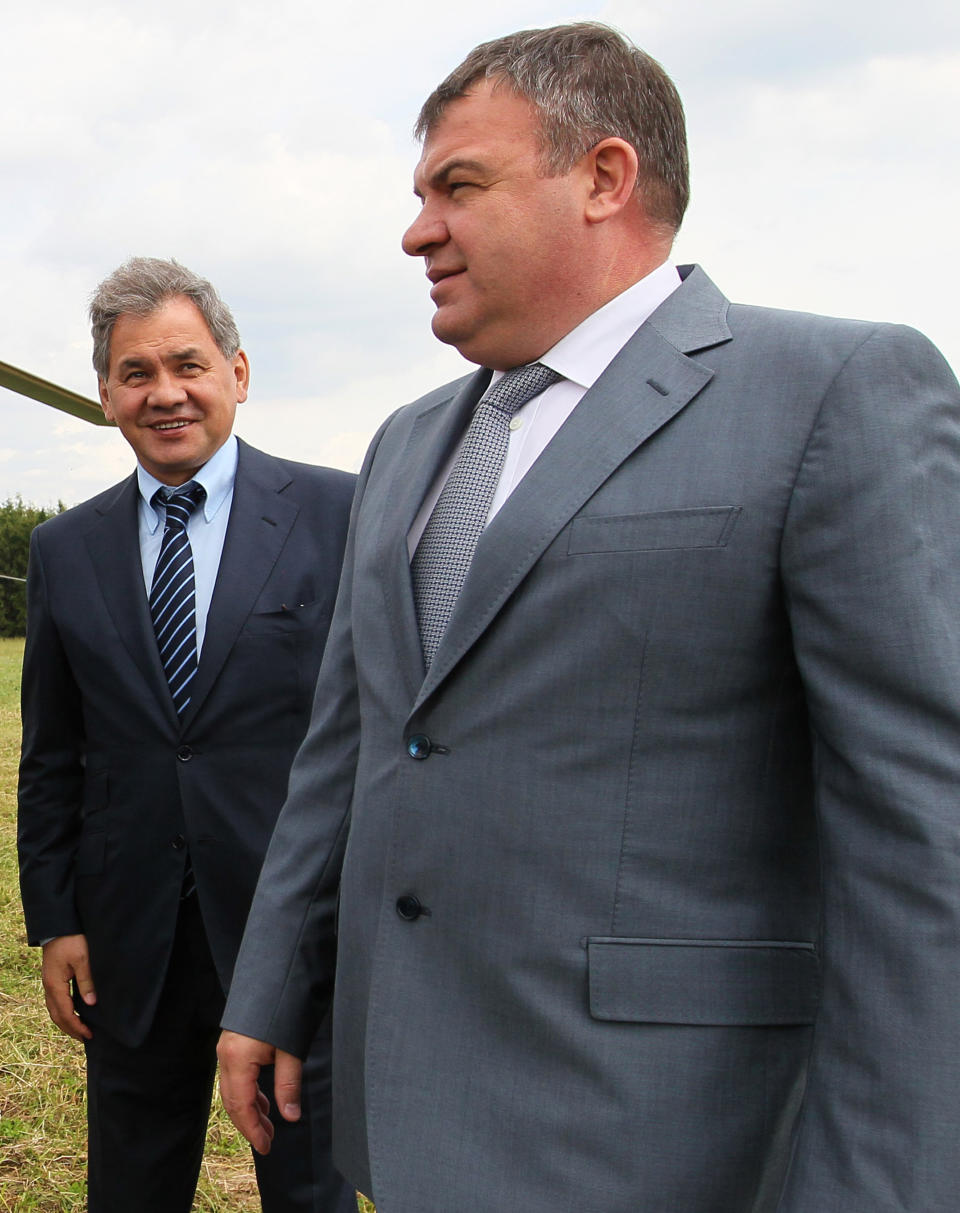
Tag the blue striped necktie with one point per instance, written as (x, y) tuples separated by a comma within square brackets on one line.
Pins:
[(173, 605)]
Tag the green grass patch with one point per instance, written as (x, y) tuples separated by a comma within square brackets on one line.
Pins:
[(42, 1114)]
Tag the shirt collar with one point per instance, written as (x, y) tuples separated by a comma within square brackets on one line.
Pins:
[(217, 477), (586, 351)]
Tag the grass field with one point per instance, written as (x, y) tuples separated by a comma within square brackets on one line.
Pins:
[(42, 1116)]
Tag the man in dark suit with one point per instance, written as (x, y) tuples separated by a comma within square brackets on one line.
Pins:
[(643, 764), (158, 733)]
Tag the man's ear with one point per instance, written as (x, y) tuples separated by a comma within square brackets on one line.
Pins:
[(105, 400), (241, 371), (613, 165)]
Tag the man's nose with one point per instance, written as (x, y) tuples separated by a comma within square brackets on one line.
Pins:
[(426, 232), (166, 390)]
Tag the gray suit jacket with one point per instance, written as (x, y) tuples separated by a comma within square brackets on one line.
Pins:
[(112, 783), (651, 888)]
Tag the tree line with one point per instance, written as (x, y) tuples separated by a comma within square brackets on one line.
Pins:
[(17, 520)]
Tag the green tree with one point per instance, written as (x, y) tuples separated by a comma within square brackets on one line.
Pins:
[(17, 520)]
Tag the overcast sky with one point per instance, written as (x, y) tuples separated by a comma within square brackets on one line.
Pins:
[(268, 147)]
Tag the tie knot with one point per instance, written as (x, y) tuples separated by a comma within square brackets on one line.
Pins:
[(519, 385), (181, 501)]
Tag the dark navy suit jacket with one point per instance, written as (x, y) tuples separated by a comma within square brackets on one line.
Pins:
[(115, 790)]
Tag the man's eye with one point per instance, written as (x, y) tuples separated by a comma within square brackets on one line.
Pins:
[(453, 186)]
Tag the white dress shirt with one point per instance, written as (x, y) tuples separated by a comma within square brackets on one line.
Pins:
[(205, 530), (580, 357)]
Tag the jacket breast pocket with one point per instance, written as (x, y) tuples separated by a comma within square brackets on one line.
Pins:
[(700, 527), (275, 617), (707, 982)]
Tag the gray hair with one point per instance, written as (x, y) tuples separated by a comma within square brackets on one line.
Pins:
[(142, 285), (587, 83)]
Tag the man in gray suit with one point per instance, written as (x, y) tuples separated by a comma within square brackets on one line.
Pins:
[(649, 831), (158, 732)]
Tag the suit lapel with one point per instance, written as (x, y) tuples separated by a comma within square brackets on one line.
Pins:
[(260, 522), (433, 436), (646, 385), (114, 547)]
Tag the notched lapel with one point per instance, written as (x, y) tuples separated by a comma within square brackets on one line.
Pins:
[(693, 318), (433, 435), (646, 385), (114, 547), (260, 523)]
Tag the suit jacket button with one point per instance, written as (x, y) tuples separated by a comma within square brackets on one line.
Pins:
[(419, 746), (409, 908), (184, 753), (178, 842)]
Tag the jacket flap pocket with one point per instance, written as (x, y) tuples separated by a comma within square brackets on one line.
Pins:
[(706, 527), (702, 981)]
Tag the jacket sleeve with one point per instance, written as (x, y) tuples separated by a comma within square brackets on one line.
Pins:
[(51, 768), (283, 979), (871, 568)]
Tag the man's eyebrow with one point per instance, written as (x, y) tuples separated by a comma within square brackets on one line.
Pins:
[(133, 362), (459, 164)]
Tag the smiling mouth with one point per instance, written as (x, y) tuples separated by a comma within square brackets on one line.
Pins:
[(171, 425), (437, 274), (439, 279)]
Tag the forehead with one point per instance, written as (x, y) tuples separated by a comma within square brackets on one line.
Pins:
[(177, 322), (489, 126)]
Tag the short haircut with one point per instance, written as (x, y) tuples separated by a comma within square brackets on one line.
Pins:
[(141, 286), (587, 83)]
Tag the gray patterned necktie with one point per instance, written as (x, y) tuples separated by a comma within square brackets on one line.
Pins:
[(173, 605), (440, 563)]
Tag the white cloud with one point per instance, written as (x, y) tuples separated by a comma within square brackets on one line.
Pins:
[(836, 197), (271, 151)]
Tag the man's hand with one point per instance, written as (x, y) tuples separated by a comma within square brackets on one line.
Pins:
[(66, 959), (241, 1058)]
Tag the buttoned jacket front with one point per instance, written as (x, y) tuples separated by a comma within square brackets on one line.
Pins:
[(650, 886), (115, 789)]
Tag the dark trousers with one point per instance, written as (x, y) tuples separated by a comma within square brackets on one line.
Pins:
[(147, 1107)]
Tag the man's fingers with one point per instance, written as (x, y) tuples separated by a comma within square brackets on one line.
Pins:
[(247, 1107), (61, 1010), (241, 1058), (84, 980), (286, 1084), (65, 960)]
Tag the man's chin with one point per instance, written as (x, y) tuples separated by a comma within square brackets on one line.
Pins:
[(467, 339), (446, 329)]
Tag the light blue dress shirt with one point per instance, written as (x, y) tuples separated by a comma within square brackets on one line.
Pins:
[(206, 529)]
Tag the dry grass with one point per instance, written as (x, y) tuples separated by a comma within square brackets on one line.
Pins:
[(42, 1118)]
